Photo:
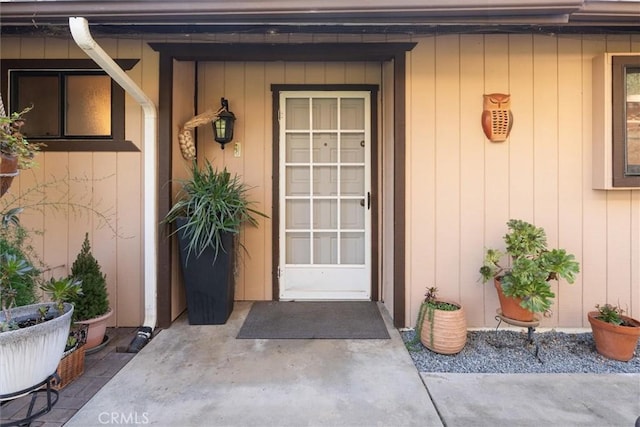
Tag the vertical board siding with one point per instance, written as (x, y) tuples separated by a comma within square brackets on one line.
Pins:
[(571, 170), (84, 186), (183, 109), (247, 87), (421, 157), (593, 268), (496, 164), (461, 188), (471, 169), (542, 173), (447, 167)]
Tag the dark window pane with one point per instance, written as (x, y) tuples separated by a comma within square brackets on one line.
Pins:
[(41, 92), (88, 106), (633, 121)]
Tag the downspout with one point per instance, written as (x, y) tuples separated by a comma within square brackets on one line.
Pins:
[(80, 31)]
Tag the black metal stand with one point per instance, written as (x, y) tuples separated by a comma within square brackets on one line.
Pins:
[(51, 395), (531, 328)]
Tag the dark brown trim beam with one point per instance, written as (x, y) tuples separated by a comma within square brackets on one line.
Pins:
[(324, 52), (399, 189), (164, 190), (289, 52)]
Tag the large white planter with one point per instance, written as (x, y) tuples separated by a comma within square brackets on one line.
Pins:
[(29, 355)]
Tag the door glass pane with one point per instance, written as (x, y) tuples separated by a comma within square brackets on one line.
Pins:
[(351, 215), (297, 214), (297, 178), (298, 248), (88, 102), (297, 148), (325, 214), (352, 113), (297, 112), (41, 92), (352, 181), (352, 248), (352, 148), (633, 121), (325, 113), (325, 180), (325, 248), (325, 148)]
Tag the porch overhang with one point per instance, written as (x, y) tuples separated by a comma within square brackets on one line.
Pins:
[(289, 16)]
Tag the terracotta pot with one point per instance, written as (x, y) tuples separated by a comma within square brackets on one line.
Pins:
[(443, 331), (8, 171), (510, 306), (615, 341), (97, 329)]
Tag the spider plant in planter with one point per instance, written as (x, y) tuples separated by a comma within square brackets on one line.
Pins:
[(616, 335), (524, 288), (211, 208), (442, 325)]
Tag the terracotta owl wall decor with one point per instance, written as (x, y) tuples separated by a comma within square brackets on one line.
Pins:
[(497, 118)]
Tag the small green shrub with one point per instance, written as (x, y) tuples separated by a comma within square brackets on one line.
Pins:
[(94, 301)]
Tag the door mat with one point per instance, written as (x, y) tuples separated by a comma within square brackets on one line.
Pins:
[(317, 319)]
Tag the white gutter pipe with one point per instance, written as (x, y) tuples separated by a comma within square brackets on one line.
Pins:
[(80, 31)]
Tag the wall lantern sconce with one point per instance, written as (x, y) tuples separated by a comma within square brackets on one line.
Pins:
[(223, 124)]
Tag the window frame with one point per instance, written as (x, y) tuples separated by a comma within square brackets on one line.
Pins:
[(116, 142), (619, 65)]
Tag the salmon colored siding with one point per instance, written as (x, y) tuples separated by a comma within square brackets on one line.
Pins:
[(107, 182), (460, 188)]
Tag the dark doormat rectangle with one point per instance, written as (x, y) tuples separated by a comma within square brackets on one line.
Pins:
[(314, 319)]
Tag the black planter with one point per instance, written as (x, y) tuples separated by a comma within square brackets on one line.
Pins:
[(209, 284)]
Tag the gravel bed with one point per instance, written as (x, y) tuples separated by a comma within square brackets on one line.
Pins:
[(508, 351)]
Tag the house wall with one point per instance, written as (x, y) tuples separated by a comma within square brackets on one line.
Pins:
[(109, 183), (462, 188)]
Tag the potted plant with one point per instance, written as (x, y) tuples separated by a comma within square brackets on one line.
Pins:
[(442, 325), (15, 151), (212, 206), (13, 243), (92, 307), (32, 337), (615, 335), (524, 288), (71, 364)]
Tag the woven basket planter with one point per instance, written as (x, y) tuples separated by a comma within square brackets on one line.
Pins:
[(71, 365), (444, 332)]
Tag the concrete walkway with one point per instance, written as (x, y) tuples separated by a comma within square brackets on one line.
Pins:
[(202, 376), (522, 400)]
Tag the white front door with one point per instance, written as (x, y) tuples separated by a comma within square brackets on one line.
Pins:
[(325, 195)]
